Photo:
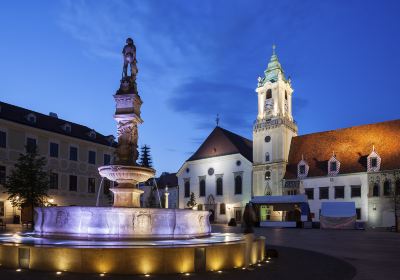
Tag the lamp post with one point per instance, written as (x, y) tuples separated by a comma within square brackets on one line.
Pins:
[(166, 193)]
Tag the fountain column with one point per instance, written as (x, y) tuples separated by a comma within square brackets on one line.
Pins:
[(125, 171)]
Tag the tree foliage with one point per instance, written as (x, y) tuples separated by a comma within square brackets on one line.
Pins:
[(145, 157), (28, 183)]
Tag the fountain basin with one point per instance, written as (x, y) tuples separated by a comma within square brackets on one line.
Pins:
[(120, 223), (124, 174)]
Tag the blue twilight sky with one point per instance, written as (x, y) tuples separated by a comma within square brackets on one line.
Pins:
[(200, 58)]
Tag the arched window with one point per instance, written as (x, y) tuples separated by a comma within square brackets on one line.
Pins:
[(269, 94), (222, 209), (387, 188), (200, 207), (267, 175), (238, 184), (285, 95), (375, 190), (267, 158), (219, 186), (202, 191), (187, 189)]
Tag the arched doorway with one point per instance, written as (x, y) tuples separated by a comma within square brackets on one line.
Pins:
[(210, 206)]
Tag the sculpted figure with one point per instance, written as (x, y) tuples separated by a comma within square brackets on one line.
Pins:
[(129, 54)]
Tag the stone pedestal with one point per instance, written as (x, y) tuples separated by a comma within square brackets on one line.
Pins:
[(126, 196)]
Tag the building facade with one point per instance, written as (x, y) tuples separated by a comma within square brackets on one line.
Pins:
[(73, 153), (219, 174)]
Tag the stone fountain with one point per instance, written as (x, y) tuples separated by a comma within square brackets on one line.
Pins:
[(125, 238), (125, 220)]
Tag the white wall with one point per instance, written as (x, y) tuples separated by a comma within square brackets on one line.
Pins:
[(341, 180), (225, 166)]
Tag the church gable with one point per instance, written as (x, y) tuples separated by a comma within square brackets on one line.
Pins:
[(223, 142), (352, 148)]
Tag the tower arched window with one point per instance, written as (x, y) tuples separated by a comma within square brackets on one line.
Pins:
[(387, 188), (222, 209), (202, 190), (269, 94), (285, 95), (238, 184), (375, 190), (187, 189), (219, 186), (267, 158)]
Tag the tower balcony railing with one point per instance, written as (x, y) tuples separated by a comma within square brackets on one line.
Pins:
[(273, 122)]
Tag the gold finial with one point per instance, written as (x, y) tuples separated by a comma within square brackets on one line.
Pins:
[(373, 148), (273, 49), (333, 154)]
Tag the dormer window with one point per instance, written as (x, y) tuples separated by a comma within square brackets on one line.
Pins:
[(333, 166), (67, 128), (31, 118), (302, 169), (92, 134), (373, 161)]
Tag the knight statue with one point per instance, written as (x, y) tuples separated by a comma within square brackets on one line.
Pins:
[(129, 54)]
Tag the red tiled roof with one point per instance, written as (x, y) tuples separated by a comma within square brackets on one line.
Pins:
[(351, 145), (222, 142), (54, 124)]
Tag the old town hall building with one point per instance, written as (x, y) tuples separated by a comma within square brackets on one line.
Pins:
[(358, 164)]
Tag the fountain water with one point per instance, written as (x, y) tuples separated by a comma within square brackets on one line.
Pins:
[(125, 238)]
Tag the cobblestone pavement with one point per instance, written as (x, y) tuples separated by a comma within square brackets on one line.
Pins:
[(375, 254)]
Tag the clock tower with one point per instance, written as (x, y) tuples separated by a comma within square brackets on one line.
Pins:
[(273, 129)]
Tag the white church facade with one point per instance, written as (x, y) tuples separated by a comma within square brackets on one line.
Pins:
[(359, 164)]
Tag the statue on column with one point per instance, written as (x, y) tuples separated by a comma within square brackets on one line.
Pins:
[(129, 54)]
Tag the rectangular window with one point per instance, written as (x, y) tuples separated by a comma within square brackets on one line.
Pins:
[(355, 191), (2, 212), (73, 183), (2, 175), (92, 157), (339, 192), (309, 193), (53, 150), (219, 184), (107, 159), (374, 162), (30, 144), (3, 139), (73, 153), (358, 213), (91, 185), (106, 186), (53, 180), (187, 189), (302, 169), (324, 193), (202, 190)]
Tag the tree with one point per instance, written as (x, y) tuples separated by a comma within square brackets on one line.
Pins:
[(192, 201), (145, 158), (28, 183)]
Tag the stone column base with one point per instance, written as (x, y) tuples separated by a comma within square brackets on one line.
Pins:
[(126, 197)]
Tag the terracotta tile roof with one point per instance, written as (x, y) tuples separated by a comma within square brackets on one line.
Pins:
[(222, 142), (54, 124), (351, 145)]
